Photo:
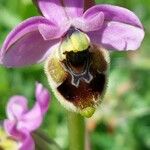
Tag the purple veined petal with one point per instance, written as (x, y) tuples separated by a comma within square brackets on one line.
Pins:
[(118, 36), (115, 13), (27, 50), (42, 97), (122, 30), (89, 23), (23, 28), (32, 119), (25, 45), (16, 107), (74, 8), (27, 142), (53, 10)]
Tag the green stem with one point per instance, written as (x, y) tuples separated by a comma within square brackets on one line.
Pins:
[(76, 128)]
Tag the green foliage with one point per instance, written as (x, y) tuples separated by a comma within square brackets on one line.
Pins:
[(123, 120)]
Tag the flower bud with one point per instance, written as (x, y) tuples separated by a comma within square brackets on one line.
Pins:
[(77, 73)]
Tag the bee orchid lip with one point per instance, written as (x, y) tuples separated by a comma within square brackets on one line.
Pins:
[(80, 78)]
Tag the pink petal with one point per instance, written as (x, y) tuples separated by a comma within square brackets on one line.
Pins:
[(32, 119), (74, 8), (116, 13), (27, 143), (118, 36), (16, 107), (52, 32), (28, 50), (53, 10), (121, 30), (25, 45), (90, 22), (11, 129), (42, 97), (23, 136), (23, 28)]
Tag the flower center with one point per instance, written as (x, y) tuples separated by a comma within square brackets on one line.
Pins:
[(78, 65)]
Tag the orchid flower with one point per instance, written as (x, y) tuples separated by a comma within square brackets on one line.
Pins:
[(21, 121), (73, 42)]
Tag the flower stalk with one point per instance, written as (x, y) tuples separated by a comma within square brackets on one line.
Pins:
[(76, 129)]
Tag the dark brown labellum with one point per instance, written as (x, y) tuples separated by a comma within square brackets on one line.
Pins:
[(77, 73), (82, 87)]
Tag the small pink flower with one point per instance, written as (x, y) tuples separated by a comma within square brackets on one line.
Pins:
[(21, 121)]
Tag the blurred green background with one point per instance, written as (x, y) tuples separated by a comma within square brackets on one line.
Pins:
[(122, 122)]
